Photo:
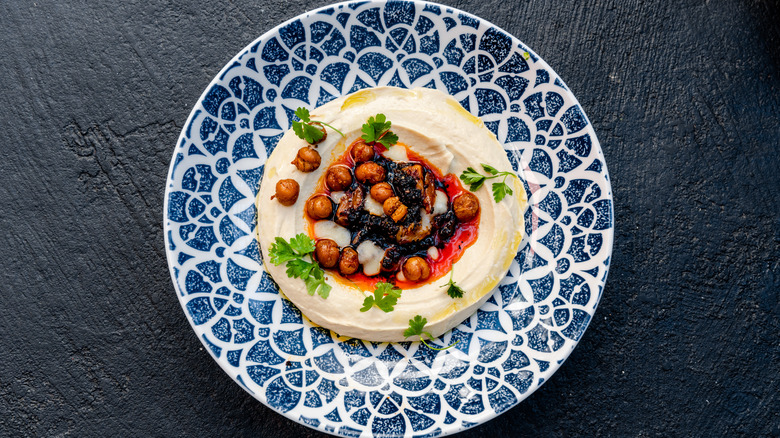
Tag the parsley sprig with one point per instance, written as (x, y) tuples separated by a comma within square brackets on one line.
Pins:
[(306, 130), (385, 297), (416, 327), (453, 290), (475, 180), (377, 129), (294, 253)]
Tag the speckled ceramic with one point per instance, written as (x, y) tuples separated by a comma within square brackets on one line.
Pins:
[(349, 387)]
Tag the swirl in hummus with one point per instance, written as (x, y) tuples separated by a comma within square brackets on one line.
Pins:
[(437, 140)]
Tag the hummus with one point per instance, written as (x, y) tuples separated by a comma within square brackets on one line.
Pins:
[(434, 126)]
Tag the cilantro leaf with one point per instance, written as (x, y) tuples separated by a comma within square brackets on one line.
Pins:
[(388, 139), (306, 129), (500, 190), (471, 177), (308, 132), (475, 180), (293, 253), (302, 244), (416, 327), (303, 114), (281, 251), (490, 169), (377, 129), (453, 290), (315, 283), (299, 268), (385, 297)]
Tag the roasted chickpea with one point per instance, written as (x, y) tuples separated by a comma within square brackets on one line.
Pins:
[(307, 160), (348, 261), (370, 173), (286, 191), (338, 178), (326, 251), (361, 151), (394, 208), (380, 192), (416, 269), (466, 207), (319, 207)]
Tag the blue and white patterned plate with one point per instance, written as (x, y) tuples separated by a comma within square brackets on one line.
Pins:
[(349, 387)]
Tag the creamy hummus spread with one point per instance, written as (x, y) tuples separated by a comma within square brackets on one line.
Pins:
[(429, 124)]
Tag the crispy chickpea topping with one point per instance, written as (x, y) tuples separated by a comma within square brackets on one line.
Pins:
[(338, 178), (307, 160), (466, 207), (416, 269), (348, 261), (370, 173), (380, 192), (326, 251), (319, 207), (414, 219), (286, 192), (361, 152), (394, 208)]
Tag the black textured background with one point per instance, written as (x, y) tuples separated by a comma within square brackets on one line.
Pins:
[(684, 97)]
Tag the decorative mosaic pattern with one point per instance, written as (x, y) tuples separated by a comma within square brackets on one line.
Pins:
[(347, 386)]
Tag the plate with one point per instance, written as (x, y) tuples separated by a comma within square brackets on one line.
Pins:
[(349, 387)]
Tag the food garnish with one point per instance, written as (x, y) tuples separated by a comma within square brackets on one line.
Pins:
[(385, 297), (306, 130), (377, 129), (286, 191), (416, 326), (416, 269), (294, 253), (307, 159), (475, 180), (453, 290)]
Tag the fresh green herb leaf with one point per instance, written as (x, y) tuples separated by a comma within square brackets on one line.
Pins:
[(388, 139), (315, 283), (490, 169), (377, 129), (500, 190), (526, 55), (303, 114), (281, 251), (416, 327), (475, 180), (453, 290), (299, 268), (294, 253), (302, 244), (306, 129), (385, 297)]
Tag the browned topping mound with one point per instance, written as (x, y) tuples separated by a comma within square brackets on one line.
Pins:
[(412, 234)]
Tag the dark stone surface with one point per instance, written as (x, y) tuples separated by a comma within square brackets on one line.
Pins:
[(685, 99)]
